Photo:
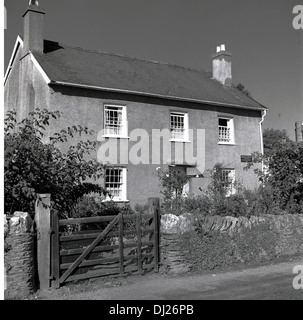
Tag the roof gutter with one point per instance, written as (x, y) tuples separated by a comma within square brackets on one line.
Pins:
[(83, 86)]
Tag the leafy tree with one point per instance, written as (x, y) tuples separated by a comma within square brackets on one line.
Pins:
[(272, 139), (32, 167), (172, 182), (217, 186), (286, 174), (283, 174)]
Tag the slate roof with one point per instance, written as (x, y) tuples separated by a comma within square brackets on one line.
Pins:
[(63, 63)]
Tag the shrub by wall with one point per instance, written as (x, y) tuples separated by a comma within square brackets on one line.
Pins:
[(223, 241)]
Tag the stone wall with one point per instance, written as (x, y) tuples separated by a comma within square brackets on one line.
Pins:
[(288, 228), (19, 256), (190, 242), (173, 228)]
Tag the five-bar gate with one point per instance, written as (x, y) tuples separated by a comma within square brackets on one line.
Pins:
[(104, 245)]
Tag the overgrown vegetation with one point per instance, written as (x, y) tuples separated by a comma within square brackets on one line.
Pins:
[(172, 187), (282, 177), (32, 167), (210, 250), (280, 190)]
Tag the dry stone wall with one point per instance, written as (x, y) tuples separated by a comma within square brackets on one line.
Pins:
[(19, 256), (205, 242), (173, 259)]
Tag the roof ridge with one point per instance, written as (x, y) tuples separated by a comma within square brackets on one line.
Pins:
[(130, 57)]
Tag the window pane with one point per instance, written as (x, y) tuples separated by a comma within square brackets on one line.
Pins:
[(114, 181), (177, 126), (113, 120), (224, 134), (225, 130), (223, 122)]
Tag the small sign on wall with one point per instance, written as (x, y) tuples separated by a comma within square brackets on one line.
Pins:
[(246, 158)]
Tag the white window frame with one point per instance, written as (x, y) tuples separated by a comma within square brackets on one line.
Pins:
[(225, 131), (124, 122), (123, 196), (228, 176), (185, 129)]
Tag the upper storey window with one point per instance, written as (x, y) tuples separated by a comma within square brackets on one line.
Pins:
[(226, 131), (115, 121), (179, 126)]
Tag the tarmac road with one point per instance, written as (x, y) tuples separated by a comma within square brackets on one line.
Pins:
[(270, 282)]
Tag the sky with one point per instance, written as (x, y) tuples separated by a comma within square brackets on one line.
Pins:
[(267, 51)]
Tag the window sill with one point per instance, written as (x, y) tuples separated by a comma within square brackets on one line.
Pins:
[(116, 137), (227, 143), (176, 140)]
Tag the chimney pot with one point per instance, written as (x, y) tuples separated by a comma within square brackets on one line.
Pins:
[(222, 66)]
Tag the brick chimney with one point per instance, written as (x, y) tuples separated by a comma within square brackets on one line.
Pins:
[(299, 131), (222, 66), (33, 20)]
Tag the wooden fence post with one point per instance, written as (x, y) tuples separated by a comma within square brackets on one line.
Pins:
[(55, 249), (43, 225), (121, 245), (154, 209), (139, 242)]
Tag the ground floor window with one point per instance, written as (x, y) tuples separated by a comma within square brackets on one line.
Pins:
[(228, 180), (115, 183)]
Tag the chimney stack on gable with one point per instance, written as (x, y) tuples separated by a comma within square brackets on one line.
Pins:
[(299, 131), (33, 32), (222, 66)]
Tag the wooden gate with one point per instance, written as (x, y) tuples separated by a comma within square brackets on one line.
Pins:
[(83, 248)]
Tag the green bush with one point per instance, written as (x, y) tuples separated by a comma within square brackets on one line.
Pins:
[(256, 244), (215, 201), (94, 206), (243, 203), (32, 167), (236, 205), (172, 183), (142, 209), (283, 176), (208, 250), (280, 190), (199, 204), (213, 249)]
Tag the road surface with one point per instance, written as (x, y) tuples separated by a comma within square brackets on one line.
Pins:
[(270, 282)]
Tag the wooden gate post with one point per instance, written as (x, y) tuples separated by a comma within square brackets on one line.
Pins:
[(55, 251), (154, 209), (43, 225), (139, 242)]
